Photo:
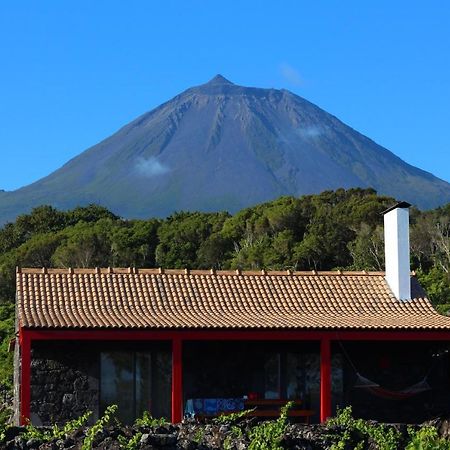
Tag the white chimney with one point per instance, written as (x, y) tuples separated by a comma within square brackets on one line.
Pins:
[(396, 247)]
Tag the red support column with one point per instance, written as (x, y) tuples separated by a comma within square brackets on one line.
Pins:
[(25, 376), (325, 379), (177, 380)]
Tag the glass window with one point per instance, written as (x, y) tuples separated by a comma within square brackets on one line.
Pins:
[(272, 376), (136, 382), (143, 383), (117, 383), (303, 378)]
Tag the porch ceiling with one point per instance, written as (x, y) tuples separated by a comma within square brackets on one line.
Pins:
[(177, 299)]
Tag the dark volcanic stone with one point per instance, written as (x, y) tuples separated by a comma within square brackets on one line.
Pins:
[(33, 443), (12, 432)]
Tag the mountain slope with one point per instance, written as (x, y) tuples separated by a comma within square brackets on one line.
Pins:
[(220, 146)]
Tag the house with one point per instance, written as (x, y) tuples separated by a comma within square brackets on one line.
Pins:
[(204, 342)]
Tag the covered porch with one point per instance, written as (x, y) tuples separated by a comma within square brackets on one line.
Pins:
[(385, 375)]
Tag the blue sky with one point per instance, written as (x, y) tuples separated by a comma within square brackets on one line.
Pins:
[(74, 72)]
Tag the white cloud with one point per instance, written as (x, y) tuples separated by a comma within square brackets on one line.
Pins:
[(150, 167), (311, 132), (290, 74)]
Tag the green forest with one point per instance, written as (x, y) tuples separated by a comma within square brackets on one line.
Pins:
[(340, 229)]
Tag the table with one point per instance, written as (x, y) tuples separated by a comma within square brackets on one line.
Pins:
[(264, 408)]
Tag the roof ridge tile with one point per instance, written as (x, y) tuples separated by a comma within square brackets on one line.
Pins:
[(187, 271)]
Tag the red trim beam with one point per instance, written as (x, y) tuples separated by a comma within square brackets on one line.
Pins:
[(325, 379), (25, 375), (177, 380), (234, 335)]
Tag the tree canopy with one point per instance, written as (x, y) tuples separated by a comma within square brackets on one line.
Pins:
[(340, 229)]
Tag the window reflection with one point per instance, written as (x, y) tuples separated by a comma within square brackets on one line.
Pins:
[(143, 368), (272, 376), (135, 382), (117, 383)]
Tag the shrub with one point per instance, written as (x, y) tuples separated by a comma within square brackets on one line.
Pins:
[(55, 432), (224, 419), (426, 438), (98, 427), (268, 435), (384, 437), (130, 444), (148, 421)]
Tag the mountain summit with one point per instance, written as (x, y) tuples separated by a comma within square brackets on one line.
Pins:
[(220, 146), (219, 79)]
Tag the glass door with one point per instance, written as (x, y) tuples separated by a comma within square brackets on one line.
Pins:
[(125, 381)]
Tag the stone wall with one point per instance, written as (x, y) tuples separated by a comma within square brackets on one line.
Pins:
[(64, 382), (16, 390)]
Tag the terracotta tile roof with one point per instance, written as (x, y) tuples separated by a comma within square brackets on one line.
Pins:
[(168, 299)]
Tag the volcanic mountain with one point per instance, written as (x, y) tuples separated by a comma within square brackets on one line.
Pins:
[(220, 146)]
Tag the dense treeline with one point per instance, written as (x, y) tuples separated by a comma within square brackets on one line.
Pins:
[(336, 229)]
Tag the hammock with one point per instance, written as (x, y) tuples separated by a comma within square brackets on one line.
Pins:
[(376, 389)]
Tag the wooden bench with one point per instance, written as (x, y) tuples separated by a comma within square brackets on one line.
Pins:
[(272, 408)]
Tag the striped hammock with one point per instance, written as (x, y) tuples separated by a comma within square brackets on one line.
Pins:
[(375, 389)]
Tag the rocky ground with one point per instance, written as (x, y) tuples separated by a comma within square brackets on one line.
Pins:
[(191, 435), (186, 436)]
